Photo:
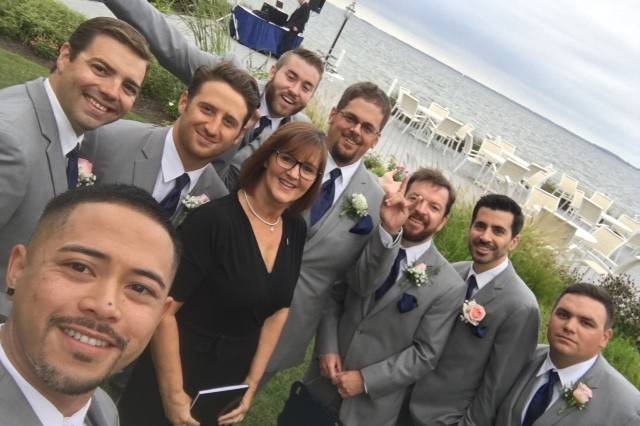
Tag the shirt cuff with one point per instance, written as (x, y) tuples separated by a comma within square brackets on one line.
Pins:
[(388, 241)]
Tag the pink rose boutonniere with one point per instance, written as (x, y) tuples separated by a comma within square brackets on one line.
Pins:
[(473, 313), (577, 396), (85, 174)]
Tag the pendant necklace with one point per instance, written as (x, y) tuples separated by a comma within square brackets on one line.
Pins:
[(271, 225)]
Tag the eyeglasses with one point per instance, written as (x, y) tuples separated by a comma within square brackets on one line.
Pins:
[(352, 120), (288, 162)]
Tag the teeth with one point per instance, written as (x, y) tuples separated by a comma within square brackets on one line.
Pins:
[(287, 99), (97, 105), (84, 338), (288, 184)]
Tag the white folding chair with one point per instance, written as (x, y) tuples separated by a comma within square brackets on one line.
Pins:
[(538, 199), (601, 200)]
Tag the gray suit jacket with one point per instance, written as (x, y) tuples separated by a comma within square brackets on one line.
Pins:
[(182, 58), (392, 349), (32, 167), (16, 410), (329, 252), (131, 152), (475, 373), (615, 401)]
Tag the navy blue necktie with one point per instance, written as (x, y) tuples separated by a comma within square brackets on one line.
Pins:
[(540, 400), (472, 284), (393, 275), (325, 198), (170, 201), (72, 168), (264, 123)]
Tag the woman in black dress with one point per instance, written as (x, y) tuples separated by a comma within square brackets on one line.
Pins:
[(240, 264)]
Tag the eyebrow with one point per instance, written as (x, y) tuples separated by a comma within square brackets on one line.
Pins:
[(75, 248), (112, 71)]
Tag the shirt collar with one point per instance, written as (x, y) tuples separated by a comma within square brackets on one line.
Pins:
[(68, 138), (568, 375), (264, 112), (347, 172), (415, 252), (171, 163), (484, 278), (46, 412)]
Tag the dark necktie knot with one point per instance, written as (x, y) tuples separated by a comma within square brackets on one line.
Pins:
[(263, 124), (472, 284), (170, 202), (325, 198), (72, 167), (393, 275), (541, 399)]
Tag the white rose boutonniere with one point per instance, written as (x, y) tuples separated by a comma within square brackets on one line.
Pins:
[(190, 202), (420, 274), (577, 396), (356, 205), (85, 175), (472, 313)]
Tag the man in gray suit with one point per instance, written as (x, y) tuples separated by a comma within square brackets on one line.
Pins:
[(171, 162), (97, 77), (88, 294), (398, 311), (497, 330), (335, 238), (579, 329), (291, 83)]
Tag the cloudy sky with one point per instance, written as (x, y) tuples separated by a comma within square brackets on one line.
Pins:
[(576, 62)]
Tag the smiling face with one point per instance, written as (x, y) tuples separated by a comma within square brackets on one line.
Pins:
[(577, 330), (88, 296), (429, 216), (291, 86), (100, 85), (490, 238), (210, 122), (353, 130)]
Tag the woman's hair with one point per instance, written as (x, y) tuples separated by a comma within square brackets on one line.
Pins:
[(301, 140)]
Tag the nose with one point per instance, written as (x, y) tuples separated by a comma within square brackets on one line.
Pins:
[(294, 172), (102, 301), (212, 126), (110, 89), (569, 325)]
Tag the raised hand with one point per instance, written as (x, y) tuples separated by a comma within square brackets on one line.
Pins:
[(395, 208)]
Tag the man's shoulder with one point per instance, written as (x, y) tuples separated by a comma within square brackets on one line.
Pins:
[(125, 133), (613, 381), (300, 116), (103, 411), (515, 288), (16, 107)]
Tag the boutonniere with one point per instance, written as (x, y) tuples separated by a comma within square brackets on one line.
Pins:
[(577, 395), (473, 313), (355, 205), (190, 202), (85, 175), (420, 274)]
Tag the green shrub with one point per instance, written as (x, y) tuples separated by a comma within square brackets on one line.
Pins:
[(42, 24), (624, 356), (626, 300), (163, 86)]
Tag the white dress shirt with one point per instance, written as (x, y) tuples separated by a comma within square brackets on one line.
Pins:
[(44, 410), (568, 377), (346, 174), (68, 138), (170, 169), (484, 278)]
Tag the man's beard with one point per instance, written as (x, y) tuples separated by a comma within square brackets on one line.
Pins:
[(270, 95)]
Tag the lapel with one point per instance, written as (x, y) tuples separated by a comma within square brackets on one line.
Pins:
[(488, 293), (49, 130), (201, 187), (147, 166), (332, 218), (524, 387), (14, 406), (557, 411), (431, 258)]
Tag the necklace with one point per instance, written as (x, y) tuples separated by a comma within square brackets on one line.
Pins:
[(271, 225)]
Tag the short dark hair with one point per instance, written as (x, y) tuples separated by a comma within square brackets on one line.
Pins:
[(238, 79), (60, 208), (116, 29), (597, 293), (502, 203), (370, 93), (293, 138), (306, 55), (434, 177)]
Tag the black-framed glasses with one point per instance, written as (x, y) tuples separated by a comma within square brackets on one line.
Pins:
[(288, 162), (352, 120)]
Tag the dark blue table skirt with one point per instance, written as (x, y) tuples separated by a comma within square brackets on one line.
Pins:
[(258, 34)]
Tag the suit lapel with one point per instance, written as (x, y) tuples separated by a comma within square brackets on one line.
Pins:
[(201, 187), (145, 169), (524, 387), (488, 293), (14, 406), (49, 129)]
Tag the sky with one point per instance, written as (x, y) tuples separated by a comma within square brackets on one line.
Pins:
[(575, 62)]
